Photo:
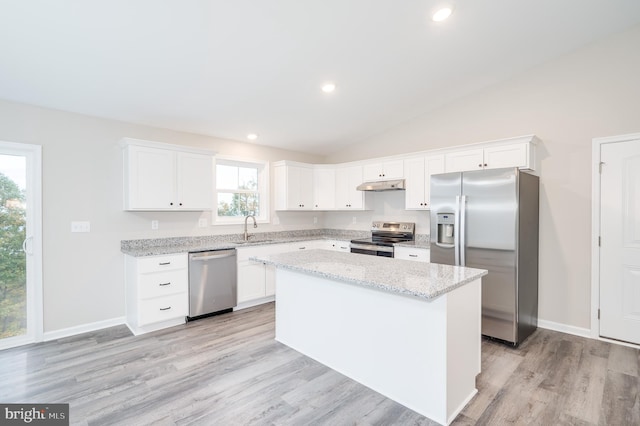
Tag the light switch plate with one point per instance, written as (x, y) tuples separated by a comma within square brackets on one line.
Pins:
[(77, 226), (202, 222), (154, 224)]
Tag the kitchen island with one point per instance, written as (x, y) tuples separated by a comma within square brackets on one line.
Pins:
[(408, 330)]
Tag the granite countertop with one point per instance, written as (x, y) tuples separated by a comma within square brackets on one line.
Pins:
[(423, 280), (193, 246), (174, 245), (414, 244)]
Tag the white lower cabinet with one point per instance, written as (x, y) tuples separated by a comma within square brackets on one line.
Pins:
[(411, 253), (157, 291), (257, 281), (335, 245), (252, 276)]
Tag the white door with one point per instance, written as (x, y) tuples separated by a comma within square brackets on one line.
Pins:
[(20, 244), (620, 241)]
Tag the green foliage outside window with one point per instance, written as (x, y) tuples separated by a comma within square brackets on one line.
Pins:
[(237, 190), (13, 298)]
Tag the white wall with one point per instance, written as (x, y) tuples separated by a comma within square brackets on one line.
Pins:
[(386, 205), (566, 102), (82, 180)]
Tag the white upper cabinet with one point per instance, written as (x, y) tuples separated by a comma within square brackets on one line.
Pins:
[(324, 188), (195, 181), (385, 170), (472, 159), (347, 196), (166, 178), (519, 155), (418, 173), (293, 186)]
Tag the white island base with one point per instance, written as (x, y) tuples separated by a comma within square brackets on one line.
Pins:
[(423, 354)]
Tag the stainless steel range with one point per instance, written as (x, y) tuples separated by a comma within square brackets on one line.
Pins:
[(383, 236)]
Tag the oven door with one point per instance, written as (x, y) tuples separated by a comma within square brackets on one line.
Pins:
[(372, 249)]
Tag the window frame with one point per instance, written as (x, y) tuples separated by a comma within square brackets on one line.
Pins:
[(263, 188)]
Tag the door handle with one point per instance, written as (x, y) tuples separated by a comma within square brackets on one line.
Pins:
[(25, 245), (463, 224), (456, 232), (214, 256)]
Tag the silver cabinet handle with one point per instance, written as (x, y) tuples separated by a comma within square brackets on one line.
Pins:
[(413, 255), (164, 263), (163, 284), (165, 309)]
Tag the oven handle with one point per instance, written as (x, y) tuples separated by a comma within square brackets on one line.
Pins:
[(372, 247)]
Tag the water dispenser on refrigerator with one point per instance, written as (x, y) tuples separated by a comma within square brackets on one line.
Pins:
[(445, 229)]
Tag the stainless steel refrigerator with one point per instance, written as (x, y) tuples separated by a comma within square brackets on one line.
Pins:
[(488, 219)]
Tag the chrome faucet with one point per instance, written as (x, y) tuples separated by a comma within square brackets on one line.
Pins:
[(255, 225)]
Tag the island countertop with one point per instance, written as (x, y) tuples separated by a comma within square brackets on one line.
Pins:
[(423, 280)]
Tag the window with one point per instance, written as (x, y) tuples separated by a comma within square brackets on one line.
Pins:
[(241, 190)]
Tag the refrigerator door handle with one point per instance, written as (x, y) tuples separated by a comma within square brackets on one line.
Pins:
[(462, 233), (456, 232)]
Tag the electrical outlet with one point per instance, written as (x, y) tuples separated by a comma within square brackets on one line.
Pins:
[(80, 226), (154, 224), (354, 220), (202, 222)]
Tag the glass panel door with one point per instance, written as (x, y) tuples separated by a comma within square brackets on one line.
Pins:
[(20, 283)]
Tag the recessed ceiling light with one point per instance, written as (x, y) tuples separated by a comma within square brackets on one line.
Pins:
[(252, 136), (442, 14), (328, 87)]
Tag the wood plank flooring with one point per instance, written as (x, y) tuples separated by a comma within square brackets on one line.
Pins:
[(229, 370)]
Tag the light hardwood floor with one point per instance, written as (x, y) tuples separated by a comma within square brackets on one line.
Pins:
[(229, 370)]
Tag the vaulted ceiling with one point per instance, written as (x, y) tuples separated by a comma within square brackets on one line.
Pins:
[(230, 68)]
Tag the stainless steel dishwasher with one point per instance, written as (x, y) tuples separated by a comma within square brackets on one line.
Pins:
[(212, 282)]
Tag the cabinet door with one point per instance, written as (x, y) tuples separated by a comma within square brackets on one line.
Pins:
[(347, 196), (393, 169), (506, 156), (251, 281), (341, 190), (464, 160), (383, 171), (324, 187), (294, 188), (342, 246), (410, 253), (415, 179), (372, 172), (195, 181), (270, 280), (151, 179), (433, 166), (305, 188)]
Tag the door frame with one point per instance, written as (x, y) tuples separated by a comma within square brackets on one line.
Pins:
[(595, 231), (35, 309)]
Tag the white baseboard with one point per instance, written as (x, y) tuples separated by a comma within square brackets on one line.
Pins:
[(84, 328), (564, 328), (256, 302)]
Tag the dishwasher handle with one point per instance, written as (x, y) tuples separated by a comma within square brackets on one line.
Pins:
[(221, 254)]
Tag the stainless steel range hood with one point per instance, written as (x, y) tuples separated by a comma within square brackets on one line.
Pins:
[(383, 185)]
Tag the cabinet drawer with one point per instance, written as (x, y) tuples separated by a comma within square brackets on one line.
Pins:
[(163, 308), (163, 283), (407, 253), (162, 263)]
